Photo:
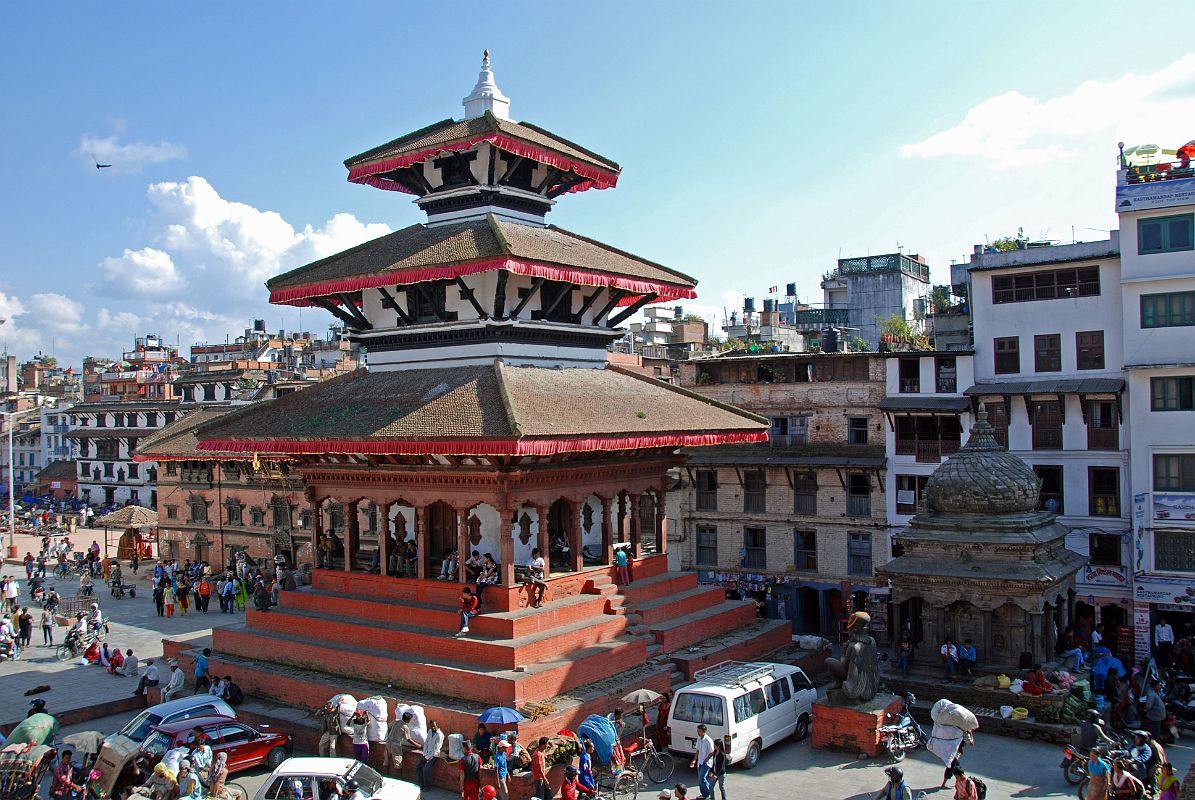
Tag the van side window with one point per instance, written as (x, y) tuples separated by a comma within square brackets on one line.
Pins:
[(778, 692), (801, 681), (748, 705), (700, 708)]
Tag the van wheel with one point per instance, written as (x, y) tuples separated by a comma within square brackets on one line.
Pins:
[(276, 757), (752, 757), (802, 730)]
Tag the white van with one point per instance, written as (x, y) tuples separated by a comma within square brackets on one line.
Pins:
[(747, 706)]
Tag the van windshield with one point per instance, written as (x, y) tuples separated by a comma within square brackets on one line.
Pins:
[(141, 725), (700, 708)]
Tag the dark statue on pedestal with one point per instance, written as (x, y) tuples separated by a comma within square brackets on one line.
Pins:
[(858, 671)]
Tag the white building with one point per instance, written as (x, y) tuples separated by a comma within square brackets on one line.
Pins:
[(927, 419), (107, 435), (26, 452), (1049, 367), (55, 425), (1158, 319)]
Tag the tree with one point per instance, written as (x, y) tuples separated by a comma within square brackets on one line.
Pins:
[(896, 325), (858, 344), (939, 298), (1005, 243)]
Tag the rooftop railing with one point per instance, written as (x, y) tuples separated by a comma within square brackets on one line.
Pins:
[(1151, 173)]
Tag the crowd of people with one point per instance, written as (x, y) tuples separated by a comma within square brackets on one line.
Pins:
[(190, 586)]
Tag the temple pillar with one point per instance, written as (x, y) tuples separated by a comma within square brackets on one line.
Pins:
[(421, 541), (894, 616), (506, 547), (383, 538), (1059, 619), (988, 636), (317, 530), (622, 517), (573, 534), (1035, 636), (636, 546), (543, 539), (661, 524), (607, 531), (352, 534), (462, 543)]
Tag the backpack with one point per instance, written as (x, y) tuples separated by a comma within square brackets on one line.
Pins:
[(981, 788)]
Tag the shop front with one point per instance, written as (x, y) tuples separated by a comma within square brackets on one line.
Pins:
[(1162, 599)]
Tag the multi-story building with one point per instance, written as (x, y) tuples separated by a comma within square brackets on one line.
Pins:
[(55, 425), (26, 453), (107, 435), (1049, 367), (798, 522), (144, 373), (928, 417), (860, 293), (1157, 287), (213, 505)]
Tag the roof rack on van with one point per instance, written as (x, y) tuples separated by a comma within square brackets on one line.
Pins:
[(733, 673)]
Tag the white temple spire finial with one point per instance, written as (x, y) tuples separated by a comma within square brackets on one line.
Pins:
[(486, 96)]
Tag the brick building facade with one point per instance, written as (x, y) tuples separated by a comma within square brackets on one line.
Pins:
[(793, 521)]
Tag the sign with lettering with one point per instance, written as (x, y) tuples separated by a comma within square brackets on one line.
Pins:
[(1175, 591), (1174, 507), (1156, 194), (1105, 575), (1141, 639)]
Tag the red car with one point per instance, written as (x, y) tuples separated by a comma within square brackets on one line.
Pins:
[(246, 746)]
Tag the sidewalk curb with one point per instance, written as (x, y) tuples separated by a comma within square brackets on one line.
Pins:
[(75, 716)]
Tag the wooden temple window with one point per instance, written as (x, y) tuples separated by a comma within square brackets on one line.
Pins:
[(707, 490), (755, 491), (426, 301), (1104, 491), (1050, 477), (455, 170), (805, 550), (280, 512), (258, 517), (858, 495), (1047, 424), (233, 513), (707, 545), (755, 546), (516, 171), (556, 302), (805, 493), (198, 507)]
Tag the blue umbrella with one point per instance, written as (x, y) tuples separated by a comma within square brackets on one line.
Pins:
[(500, 715)]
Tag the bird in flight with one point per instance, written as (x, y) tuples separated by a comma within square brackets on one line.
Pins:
[(98, 165)]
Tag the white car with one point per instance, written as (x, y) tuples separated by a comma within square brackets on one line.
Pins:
[(319, 778), (747, 706), (183, 708)]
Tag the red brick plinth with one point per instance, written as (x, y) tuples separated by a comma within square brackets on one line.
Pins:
[(854, 729)]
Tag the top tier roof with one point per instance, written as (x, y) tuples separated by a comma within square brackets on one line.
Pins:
[(450, 136)]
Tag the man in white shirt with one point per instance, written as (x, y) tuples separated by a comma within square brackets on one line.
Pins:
[(703, 760), (431, 750), (1097, 636), (1163, 642), (535, 575), (174, 686), (949, 653), (150, 678)]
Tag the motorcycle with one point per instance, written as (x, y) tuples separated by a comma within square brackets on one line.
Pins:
[(904, 733), (1074, 765)]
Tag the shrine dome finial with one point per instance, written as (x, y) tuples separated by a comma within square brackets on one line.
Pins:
[(486, 96), (982, 477)]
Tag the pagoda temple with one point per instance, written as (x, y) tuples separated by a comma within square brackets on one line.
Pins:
[(981, 562), (488, 420)]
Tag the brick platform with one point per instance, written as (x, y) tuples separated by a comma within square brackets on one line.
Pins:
[(853, 729), (590, 643)]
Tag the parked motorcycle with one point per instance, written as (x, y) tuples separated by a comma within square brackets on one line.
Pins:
[(903, 733)]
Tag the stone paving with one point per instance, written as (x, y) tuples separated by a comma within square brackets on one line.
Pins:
[(133, 623)]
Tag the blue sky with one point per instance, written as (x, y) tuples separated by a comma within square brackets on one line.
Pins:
[(758, 140)]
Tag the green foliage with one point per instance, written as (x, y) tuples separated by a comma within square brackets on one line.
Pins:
[(49, 361), (691, 318), (940, 299), (896, 325), (1005, 243), (857, 344)]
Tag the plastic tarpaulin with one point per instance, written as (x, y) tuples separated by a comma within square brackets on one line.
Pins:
[(38, 729), (346, 704), (418, 721), (601, 731), (948, 713), (375, 730)]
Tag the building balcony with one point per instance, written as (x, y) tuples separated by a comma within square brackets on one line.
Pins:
[(821, 316), (858, 506), (1103, 438), (927, 451), (1153, 173)]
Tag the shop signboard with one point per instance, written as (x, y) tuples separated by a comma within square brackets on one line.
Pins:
[(1139, 501), (1174, 507), (1155, 194), (1105, 575), (1170, 591), (1141, 640), (877, 607)]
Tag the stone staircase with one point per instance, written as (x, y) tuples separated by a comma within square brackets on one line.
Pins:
[(592, 640)]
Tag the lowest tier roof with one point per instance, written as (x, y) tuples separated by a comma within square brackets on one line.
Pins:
[(492, 409), (425, 253), (178, 442)]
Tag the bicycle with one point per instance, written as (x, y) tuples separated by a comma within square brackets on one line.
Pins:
[(645, 758)]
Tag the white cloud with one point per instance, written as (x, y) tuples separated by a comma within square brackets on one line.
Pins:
[(125, 157), (147, 272), (123, 321), (10, 307), (1013, 130)]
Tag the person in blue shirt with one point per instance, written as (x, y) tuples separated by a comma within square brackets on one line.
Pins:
[(621, 559), (202, 681), (501, 768), (967, 657), (586, 763)]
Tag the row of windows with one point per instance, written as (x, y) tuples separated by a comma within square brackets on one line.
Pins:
[(1165, 234), (1168, 310), (129, 419), (754, 552), (804, 489), (1045, 420), (1049, 285), (1103, 491), (1172, 394), (1047, 352)]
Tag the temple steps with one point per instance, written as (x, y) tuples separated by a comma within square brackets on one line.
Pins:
[(679, 604), (490, 623), (674, 634), (325, 663), (474, 647), (657, 587)]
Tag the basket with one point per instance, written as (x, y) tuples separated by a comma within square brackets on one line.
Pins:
[(1020, 712)]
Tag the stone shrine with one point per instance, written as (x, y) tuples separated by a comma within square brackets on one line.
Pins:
[(982, 563)]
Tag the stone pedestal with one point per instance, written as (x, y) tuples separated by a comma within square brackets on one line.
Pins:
[(853, 729)]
